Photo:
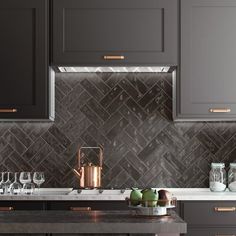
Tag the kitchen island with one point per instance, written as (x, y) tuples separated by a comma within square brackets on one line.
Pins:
[(89, 222)]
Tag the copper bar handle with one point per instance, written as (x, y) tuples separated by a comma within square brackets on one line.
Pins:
[(225, 209), (113, 57), (219, 110), (5, 110), (80, 208), (6, 208)]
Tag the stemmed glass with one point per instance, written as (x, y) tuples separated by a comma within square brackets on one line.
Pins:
[(15, 187), (8, 183), (38, 179), (2, 184), (25, 179)]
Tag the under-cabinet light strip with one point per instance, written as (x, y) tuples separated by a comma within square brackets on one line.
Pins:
[(115, 69)]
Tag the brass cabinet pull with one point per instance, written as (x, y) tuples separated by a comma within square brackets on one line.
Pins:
[(80, 208), (113, 57), (225, 209), (219, 110), (5, 110), (6, 208)]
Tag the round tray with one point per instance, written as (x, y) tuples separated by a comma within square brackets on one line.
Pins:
[(144, 209)]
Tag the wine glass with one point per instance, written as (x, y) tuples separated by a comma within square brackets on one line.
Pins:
[(7, 183), (25, 179), (2, 184), (38, 179), (15, 187)]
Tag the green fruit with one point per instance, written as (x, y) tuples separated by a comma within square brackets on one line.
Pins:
[(135, 197), (150, 197)]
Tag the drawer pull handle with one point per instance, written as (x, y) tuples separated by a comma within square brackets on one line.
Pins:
[(113, 57), (6, 208), (225, 209), (13, 110), (219, 110), (80, 208)]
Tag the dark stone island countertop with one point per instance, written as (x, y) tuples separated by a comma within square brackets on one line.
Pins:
[(99, 222)]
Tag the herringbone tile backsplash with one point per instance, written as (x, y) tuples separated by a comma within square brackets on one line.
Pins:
[(128, 113)]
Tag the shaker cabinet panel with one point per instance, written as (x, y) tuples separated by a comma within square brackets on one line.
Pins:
[(214, 213), (24, 59), (136, 32), (206, 84)]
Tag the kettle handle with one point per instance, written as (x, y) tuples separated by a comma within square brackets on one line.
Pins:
[(100, 154)]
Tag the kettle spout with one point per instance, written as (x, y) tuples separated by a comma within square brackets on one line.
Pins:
[(77, 173)]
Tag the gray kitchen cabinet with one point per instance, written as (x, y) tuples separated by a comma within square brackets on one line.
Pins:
[(206, 81), (24, 61), (209, 218), (22, 206), (111, 32)]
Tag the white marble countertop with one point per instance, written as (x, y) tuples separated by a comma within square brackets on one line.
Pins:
[(66, 194)]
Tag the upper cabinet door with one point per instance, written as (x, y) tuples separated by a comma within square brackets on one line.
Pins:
[(206, 87), (115, 32), (24, 59)]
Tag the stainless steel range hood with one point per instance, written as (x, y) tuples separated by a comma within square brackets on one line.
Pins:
[(160, 69)]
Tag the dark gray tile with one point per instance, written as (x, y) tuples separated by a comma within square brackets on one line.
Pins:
[(14, 142), (40, 156), (53, 142), (107, 100), (134, 107), (207, 142), (110, 123), (98, 109), (136, 80), (117, 102), (149, 96), (134, 93), (130, 142), (59, 136), (22, 136), (136, 136), (91, 89), (92, 116), (130, 116), (129, 168), (33, 149), (73, 95), (119, 126)]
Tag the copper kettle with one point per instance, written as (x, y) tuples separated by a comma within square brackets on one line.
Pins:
[(89, 174)]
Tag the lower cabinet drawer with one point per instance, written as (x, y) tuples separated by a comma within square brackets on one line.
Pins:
[(94, 205), (216, 213), (211, 232), (23, 205), (24, 235), (89, 235)]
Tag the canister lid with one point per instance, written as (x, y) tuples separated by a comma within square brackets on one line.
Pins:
[(217, 165)]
